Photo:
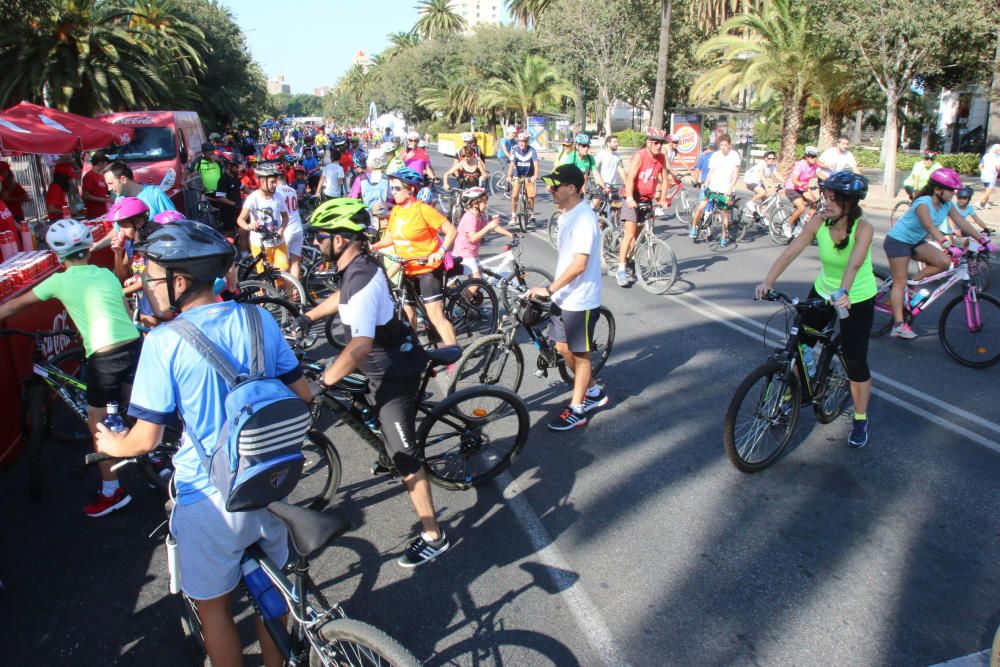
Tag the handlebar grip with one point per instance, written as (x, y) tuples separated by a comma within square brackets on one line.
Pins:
[(96, 457)]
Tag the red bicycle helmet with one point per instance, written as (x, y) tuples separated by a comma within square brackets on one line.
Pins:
[(655, 134)]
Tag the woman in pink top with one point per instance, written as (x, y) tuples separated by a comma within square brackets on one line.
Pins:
[(797, 187), (473, 228), (416, 158)]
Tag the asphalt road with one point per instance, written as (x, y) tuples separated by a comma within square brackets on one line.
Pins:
[(630, 541)]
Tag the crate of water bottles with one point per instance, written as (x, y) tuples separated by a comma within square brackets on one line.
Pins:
[(99, 227), (25, 269)]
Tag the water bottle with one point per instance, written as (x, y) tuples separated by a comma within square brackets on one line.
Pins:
[(842, 312), (810, 360), (114, 421), (270, 603), (919, 297)]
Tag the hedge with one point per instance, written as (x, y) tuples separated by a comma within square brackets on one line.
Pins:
[(963, 163)]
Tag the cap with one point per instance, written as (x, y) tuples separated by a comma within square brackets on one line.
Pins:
[(565, 173)]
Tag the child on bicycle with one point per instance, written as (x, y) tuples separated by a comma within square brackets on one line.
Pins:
[(265, 216), (845, 279), (94, 300), (473, 228)]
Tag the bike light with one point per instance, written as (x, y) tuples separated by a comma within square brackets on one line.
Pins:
[(479, 412)]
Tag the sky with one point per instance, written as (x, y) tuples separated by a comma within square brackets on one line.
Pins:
[(313, 42)]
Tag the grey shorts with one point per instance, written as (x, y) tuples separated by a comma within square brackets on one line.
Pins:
[(211, 541), (895, 248), (575, 328)]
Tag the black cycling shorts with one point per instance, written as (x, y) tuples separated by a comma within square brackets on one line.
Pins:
[(575, 328), (109, 372), (642, 212), (395, 401), (855, 331), (428, 286)]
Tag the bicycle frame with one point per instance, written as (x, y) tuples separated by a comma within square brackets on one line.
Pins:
[(61, 383), (792, 355), (956, 274)]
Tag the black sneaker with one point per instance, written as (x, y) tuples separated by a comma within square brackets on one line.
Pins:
[(567, 419), (381, 467), (594, 402), (859, 434), (420, 550)]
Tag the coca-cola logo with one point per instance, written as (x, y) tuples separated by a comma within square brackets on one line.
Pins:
[(53, 345), (133, 120)]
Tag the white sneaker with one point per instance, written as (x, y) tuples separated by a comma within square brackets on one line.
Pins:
[(796, 231), (786, 229)]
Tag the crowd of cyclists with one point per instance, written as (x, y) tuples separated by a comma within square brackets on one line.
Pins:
[(357, 192)]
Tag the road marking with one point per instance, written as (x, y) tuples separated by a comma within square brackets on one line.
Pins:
[(978, 659), (584, 612), (959, 413)]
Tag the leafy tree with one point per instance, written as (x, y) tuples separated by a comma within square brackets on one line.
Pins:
[(528, 88), (300, 104), (437, 18), (527, 13)]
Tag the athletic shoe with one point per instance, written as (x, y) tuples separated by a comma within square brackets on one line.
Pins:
[(859, 434), (594, 402), (622, 278), (797, 231), (903, 330), (532, 219), (420, 550), (724, 242), (107, 504), (786, 229), (693, 233), (568, 419)]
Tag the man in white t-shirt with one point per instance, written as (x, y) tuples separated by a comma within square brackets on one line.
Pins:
[(575, 293), (263, 211), (293, 232), (331, 182), (989, 165), (723, 171), (838, 158)]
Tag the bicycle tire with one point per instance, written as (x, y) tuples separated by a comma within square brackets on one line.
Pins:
[(321, 473), (983, 352), (897, 212), (738, 225), (775, 226), (246, 289), (611, 240), (345, 641), (285, 313), (995, 653), (496, 184), (836, 392), (552, 229), (35, 430), (63, 423), (882, 322), (490, 361), (604, 342), (782, 403), (319, 283), (683, 208), (291, 288), (191, 627), (655, 266), (447, 461), (519, 282), (334, 331), (471, 315)]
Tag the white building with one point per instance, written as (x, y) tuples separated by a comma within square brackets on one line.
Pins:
[(361, 58), (479, 11)]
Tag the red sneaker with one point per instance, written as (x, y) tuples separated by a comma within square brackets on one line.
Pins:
[(107, 504)]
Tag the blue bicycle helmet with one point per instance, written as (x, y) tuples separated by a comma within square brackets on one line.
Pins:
[(847, 182), (426, 195), (408, 176), (582, 139), (965, 192), (360, 160)]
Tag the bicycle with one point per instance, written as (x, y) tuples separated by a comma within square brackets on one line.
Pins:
[(506, 273), (711, 229), (320, 633), (685, 202), (257, 273), (900, 208), (499, 185), (497, 360), (654, 259), (963, 332), (521, 212), (812, 209), (771, 214), (608, 212), (756, 409)]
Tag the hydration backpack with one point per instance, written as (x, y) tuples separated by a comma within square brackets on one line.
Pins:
[(258, 457)]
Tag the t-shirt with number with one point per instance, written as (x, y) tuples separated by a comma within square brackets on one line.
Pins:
[(524, 161), (647, 177), (579, 234), (265, 211), (290, 198), (722, 169), (413, 227)]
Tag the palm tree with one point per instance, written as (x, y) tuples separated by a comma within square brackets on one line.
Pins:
[(779, 59), (527, 88), (399, 42), (356, 82), (710, 14), (527, 13), (459, 99), (662, 60), (437, 18)]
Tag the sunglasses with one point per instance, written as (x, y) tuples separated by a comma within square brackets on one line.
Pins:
[(323, 236), (397, 188)]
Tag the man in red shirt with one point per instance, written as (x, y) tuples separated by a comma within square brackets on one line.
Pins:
[(94, 190), (644, 177), (11, 192)]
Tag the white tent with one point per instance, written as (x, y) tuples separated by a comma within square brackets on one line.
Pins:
[(393, 121)]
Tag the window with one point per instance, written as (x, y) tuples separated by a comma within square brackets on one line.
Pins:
[(150, 144)]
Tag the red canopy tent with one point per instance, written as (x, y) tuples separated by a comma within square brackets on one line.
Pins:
[(30, 128)]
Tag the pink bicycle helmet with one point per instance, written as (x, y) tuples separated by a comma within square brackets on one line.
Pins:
[(127, 207), (163, 217), (946, 178)]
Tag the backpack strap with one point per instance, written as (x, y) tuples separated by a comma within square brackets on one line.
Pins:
[(208, 350), (257, 366)]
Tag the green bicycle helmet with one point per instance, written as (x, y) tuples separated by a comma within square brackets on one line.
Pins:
[(340, 215)]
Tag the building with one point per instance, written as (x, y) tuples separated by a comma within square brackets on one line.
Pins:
[(322, 91), (963, 118), (479, 11), (277, 85), (361, 58)]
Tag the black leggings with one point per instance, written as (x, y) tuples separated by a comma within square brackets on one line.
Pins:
[(396, 406), (854, 332)]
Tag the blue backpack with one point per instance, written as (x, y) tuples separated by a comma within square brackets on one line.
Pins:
[(258, 457)]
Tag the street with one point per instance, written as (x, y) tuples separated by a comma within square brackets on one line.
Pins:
[(632, 540)]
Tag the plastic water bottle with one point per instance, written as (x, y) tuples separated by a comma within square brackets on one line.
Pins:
[(842, 312), (114, 421), (270, 603), (919, 297), (810, 360)]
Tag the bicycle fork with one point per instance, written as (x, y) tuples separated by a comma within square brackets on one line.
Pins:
[(973, 317)]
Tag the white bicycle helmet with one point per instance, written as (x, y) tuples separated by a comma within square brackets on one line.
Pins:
[(377, 159), (68, 236), (412, 135), (468, 136)]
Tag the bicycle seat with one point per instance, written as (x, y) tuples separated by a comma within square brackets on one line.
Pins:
[(443, 356), (311, 531)]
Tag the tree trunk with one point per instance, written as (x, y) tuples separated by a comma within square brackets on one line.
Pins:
[(608, 113), (829, 127), (889, 143), (993, 127), (859, 119), (580, 102), (660, 95), (792, 110)]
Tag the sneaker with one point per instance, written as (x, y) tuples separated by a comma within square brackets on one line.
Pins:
[(693, 233), (859, 434), (107, 504), (724, 242), (594, 402), (786, 229), (797, 231), (420, 550), (567, 420), (903, 330), (622, 278), (532, 219)]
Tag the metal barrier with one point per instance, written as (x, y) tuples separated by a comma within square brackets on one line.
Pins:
[(31, 174)]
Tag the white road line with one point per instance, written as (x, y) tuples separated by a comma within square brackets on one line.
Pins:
[(978, 659), (881, 393), (586, 614)]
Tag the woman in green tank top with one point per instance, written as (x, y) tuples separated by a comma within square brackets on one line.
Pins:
[(845, 279)]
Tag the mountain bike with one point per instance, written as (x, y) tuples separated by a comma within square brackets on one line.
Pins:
[(508, 276), (685, 201), (812, 209), (497, 360), (521, 212), (770, 213), (254, 270), (710, 228), (764, 410), (969, 325), (654, 259)]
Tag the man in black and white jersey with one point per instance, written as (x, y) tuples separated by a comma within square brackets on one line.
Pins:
[(385, 349), (523, 166)]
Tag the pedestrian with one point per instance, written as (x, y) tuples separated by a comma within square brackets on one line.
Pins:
[(93, 189), (989, 165), (11, 192), (121, 182)]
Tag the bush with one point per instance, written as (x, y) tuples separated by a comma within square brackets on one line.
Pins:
[(963, 163), (631, 138)]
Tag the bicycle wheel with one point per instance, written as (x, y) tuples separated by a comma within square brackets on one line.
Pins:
[(472, 436), (683, 207), (552, 229), (611, 240), (473, 308), (738, 224), (497, 183), (320, 474), (761, 417), (775, 226), (523, 279), (882, 322), (346, 642), (897, 212), (836, 392), (334, 330), (489, 361), (284, 313), (62, 421), (995, 653), (246, 289), (290, 287), (320, 282), (655, 265), (604, 340), (970, 334), (191, 626)]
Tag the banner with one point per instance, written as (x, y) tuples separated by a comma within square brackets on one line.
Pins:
[(687, 129), (538, 135)]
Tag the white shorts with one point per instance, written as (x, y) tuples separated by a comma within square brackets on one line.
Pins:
[(470, 265), (293, 240), (211, 541)]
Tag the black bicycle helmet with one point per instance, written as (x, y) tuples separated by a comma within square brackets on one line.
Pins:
[(847, 182), (191, 247)]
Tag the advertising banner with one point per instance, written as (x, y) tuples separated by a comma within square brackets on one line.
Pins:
[(538, 135), (687, 129)]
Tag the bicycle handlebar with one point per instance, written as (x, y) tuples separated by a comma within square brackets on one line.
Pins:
[(72, 333), (96, 457), (773, 295)]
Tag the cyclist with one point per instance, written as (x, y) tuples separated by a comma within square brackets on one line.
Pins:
[(506, 145), (413, 232), (130, 214), (644, 178), (208, 167), (701, 168), (93, 297), (293, 233), (228, 194), (762, 177), (524, 167), (373, 187), (838, 158), (565, 155), (797, 188), (963, 202), (586, 163), (845, 277), (263, 211), (908, 238), (469, 139), (122, 183), (473, 228), (723, 172), (921, 172), (468, 170), (575, 293), (331, 180), (416, 158), (186, 260), (609, 163)]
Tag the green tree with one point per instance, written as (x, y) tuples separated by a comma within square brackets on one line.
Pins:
[(527, 13), (437, 18), (527, 88), (398, 43)]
